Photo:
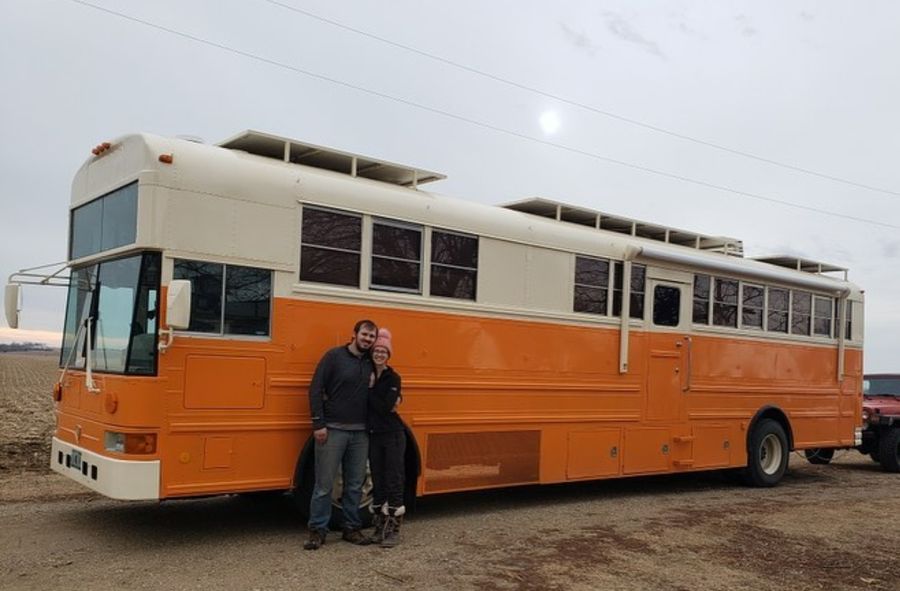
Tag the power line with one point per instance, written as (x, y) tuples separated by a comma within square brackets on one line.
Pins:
[(464, 119), (584, 106)]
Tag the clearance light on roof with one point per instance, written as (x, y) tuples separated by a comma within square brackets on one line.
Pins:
[(101, 148)]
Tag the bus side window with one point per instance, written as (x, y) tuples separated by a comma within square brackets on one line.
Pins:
[(666, 305)]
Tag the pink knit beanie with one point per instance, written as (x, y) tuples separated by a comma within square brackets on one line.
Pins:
[(384, 340)]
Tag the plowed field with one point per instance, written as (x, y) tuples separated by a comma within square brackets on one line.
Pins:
[(26, 409)]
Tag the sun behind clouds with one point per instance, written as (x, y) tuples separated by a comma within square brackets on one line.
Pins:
[(550, 122)]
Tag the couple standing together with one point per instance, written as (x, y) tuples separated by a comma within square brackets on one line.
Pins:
[(352, 399)]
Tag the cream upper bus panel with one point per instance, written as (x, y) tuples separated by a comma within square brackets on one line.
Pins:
[(127, 159), (246, 209), (503, 271), (369, 197), (524, 277), (549, 280), (210, 203), (189, 224), (230, 174)]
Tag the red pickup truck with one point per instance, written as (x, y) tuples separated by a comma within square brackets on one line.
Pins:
[(881, 423), (881, 419)]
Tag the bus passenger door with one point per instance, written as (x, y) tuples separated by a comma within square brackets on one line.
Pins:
[(667, 370)]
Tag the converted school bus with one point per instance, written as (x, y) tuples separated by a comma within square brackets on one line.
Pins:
[(538, 342)]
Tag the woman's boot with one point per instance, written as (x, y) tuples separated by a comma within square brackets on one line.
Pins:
[(393, 521), (378, 519)]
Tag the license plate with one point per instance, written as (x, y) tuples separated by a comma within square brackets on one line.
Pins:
[(76, 459)]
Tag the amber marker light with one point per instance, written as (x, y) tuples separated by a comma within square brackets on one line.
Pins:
[(57, 391), (111, 403), (130, 443), (100, 148), (165, 158)]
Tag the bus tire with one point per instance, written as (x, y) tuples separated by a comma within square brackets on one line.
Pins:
[(304, 480), (889, 450), (767, 456), (412, 468), (819, 455)]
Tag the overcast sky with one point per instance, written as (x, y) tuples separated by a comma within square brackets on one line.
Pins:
[(811, 85)]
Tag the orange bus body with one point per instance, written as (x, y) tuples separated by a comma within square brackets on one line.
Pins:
[(490, 402)]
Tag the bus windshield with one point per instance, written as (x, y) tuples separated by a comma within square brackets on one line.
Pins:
[(120, 298)]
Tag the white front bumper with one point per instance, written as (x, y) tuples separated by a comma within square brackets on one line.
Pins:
[(118, 479)]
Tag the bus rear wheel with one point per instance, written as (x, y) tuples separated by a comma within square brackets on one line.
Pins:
[(767, 455), (819, 455)]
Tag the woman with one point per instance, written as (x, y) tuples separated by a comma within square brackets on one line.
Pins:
[(387, 445)]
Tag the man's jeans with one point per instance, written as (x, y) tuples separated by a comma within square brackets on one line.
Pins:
[(350, 448)]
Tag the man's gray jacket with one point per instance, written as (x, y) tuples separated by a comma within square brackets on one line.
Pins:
[(338, 394)]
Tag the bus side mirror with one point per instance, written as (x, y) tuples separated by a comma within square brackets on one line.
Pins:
[(178, 304), (11, 303)]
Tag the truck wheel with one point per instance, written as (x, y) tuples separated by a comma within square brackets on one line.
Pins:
[(767, 455), (819, 455), (889, 451)]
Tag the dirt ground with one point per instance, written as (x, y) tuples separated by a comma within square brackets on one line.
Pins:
[(26, 383), (825, 527)]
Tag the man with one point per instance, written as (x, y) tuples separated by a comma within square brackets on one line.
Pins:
[(338, 403)]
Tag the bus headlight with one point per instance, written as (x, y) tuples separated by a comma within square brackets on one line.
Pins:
[(130, 443)]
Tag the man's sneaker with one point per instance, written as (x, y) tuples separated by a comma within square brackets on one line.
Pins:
[(354, 536), (316, 540)]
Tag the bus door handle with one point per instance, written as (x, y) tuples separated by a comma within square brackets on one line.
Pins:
[(688, 354)]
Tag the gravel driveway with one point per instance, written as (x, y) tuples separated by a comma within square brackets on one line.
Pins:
[(825, 527)]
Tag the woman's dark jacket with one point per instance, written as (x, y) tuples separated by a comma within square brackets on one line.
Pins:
[(383, 397)]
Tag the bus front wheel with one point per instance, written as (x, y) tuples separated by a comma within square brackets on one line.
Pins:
[(767, 455)]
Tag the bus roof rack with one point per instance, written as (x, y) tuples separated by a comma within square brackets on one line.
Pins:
[(800, 264), (297, 152), (613, 223)]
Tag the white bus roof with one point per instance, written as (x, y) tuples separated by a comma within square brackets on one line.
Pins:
[(288, 150)]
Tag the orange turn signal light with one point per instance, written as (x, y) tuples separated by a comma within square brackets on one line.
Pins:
[(140, 443), (130, 443), (57, 392), (166, 158)]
